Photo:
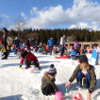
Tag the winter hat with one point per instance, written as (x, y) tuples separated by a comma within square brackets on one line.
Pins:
[(83, 58), (52, 70)]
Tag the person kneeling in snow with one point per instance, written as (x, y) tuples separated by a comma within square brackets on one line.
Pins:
[(85, 75), (48, 86), (29, 59)]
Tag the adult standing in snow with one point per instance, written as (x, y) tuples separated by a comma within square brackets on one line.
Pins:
[(62, 40), (85, 75), (50, 44), (62, 45), (5, 44), (17, 44), (28, 44)]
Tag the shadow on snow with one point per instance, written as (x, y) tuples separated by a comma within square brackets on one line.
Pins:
[(14, 97)]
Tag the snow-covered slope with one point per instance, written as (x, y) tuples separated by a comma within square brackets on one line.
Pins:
[(15, 82)]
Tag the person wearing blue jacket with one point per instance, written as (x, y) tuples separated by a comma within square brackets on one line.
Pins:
[(73, 53), (50, 44)]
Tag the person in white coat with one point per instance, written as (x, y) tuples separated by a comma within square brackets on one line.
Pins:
[(62, 44)]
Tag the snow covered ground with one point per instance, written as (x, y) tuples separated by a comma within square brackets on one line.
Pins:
[(16, 83)]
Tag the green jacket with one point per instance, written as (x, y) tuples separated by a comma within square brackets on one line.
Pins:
[(92, 74)]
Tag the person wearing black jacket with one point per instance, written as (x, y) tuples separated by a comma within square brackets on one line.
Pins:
[(5, 45)]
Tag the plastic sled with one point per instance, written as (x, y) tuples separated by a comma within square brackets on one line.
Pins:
[(62, 57)]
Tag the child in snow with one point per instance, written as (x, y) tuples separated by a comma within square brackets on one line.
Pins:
[(85, 75), (73, 53), (48, 86), (29, 59)]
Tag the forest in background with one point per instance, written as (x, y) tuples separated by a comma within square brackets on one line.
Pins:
[(42, 35)]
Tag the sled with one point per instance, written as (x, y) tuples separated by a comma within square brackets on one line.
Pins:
[(62, 57)]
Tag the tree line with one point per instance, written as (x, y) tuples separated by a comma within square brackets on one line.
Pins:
[(42, 35)]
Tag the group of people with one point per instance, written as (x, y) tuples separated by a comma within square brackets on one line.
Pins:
[(84, 72), (51, 47)]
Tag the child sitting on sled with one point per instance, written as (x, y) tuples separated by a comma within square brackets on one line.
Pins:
[(85, 76), (29, 59), (48, 86)]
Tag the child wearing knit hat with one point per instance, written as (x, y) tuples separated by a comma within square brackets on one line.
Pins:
[(52, 70), (48, 85)]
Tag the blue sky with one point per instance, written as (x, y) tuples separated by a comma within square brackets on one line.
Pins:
[(13, 8), (47, 13)]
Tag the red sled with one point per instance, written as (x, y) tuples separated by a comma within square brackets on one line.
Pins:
[(62, 57)]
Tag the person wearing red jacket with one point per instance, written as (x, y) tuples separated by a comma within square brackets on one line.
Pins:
[(29, 59)]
